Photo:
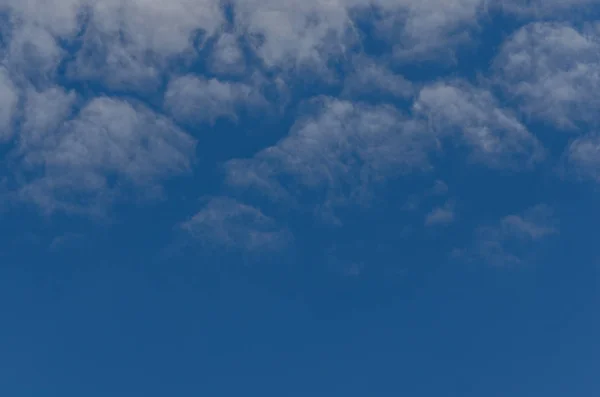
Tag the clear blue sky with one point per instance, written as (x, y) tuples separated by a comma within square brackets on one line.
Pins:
[(306, 198)]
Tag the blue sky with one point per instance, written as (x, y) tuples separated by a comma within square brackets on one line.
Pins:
[(301, 198)]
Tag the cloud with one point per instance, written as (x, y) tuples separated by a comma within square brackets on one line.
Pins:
[(552, 71), (371, 77), (547, 8), (512, 239), (9, 98), (91, 159), (335, 153), (229, 223), (583, 157), (439, 188), (130, 45), (441, 215), (227, 56), (473, 116), (192, 99), (43, 113), (429, 29)]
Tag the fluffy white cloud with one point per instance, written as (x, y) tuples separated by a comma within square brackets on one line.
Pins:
[(192, 99), (227, 56), (428, 28), (372, 78), (337, 152), (583, 157), (227, 222), (553, 71), (33, 53), (130, 40), (43, 112), (473, 115), (89, 160)]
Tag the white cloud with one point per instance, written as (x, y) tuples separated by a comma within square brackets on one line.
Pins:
[(533, 224), (302, 33), (89, 160), (430, 28), (370, 77), (227, 222), (129, 44), (553, 72), (227, 56), (336, 152), (511, 240), (33, 52), (473, 115), (9, 98), (583, 157), (191, 98), (43, 112), (547, 8), (440, 215)]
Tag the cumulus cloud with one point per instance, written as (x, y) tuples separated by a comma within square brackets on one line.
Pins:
[(193, 99), (552, 70), (496, 137), (107, 147), (227, 56), (372, 78), (431, 28), (338, 150), (229, 223), (78, 149)]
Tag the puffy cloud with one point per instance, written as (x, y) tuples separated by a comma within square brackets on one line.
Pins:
[(89, 160), (227, 56), (129, 44), (192, 99), (429, 28), (583, 157), (336, 152), (43, 112), (552, 70), (296, 33), (228, 223), (33, 53), (494, 134), (373, 78)]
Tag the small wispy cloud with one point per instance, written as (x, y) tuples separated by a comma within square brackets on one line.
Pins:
[(234, 225), (441, 215), (512, 239)]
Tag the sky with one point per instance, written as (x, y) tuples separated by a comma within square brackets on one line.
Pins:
[(304, 198)]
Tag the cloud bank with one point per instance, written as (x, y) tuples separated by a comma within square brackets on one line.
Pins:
[(105, 101)]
